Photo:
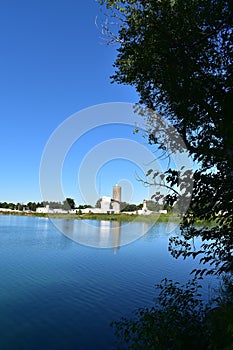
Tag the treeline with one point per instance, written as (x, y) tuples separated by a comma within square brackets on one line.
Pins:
[(21, 206), (67, 204), (150, 205)]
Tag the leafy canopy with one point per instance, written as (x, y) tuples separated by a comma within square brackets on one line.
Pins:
[(178, 54)]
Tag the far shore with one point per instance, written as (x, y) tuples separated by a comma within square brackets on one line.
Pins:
[(155, 217), (122, 217)]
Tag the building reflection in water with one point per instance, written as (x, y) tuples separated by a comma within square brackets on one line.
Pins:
[(110, 234), (116, 236), (102, 234)]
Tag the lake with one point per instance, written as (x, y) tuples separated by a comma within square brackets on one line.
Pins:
[(62, 293)]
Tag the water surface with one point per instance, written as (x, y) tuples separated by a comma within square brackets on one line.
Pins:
[(58, 294)]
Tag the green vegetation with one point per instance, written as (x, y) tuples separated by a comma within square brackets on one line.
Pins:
[(179, 320), (67, 204), (91, 216), (178, 56), (131, 217), (22, 213), (130, 207)]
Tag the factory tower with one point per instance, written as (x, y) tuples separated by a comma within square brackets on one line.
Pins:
[(116, 196)]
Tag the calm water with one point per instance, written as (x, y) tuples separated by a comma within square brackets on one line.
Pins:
[(58, 294)]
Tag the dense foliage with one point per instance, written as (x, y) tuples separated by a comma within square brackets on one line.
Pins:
[(178, 320), (178, 54), (67, 204)]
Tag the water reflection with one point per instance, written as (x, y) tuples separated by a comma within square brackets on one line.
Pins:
[(102, 234), (116, 235)]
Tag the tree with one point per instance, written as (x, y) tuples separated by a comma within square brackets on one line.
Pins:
[(31, 206), (84, 206), (130, 207), (179, 320), (4, 205), (179, 56), (98, 203), (69, 203), (153, 206), (19, 206), (11, 206), (53, 205), (123, 205)]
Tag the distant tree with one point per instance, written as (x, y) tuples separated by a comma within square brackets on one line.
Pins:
[(53, 204), (130, 207), (31, 206), (84, 206), (152, 205), (4, 205), (98, 203), (39, 204), (68, 203), (123, 205), (19, 206), (11, 206)]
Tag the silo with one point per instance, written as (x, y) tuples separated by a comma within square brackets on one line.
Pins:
[(116, 193), (116, 196)]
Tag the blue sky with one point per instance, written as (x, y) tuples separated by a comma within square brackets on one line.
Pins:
[(53, 64)]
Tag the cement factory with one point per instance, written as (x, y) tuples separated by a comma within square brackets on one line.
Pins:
[(108, 205), (112, 205)]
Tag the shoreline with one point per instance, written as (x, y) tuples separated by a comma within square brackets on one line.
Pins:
[(156, 217), (151, 218)]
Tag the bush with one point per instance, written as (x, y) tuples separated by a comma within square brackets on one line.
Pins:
[(180, 320)]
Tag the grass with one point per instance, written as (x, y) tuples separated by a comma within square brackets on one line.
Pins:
[(152, 218), (110, 217), (129, 218)]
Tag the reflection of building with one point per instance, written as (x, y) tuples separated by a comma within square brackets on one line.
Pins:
[(109, 234), (116, 235)]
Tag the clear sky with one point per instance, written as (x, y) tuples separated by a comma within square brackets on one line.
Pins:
[(53, 64)]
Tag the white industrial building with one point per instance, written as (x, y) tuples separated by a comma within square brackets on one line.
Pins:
[(108, 205), (47, 210)]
